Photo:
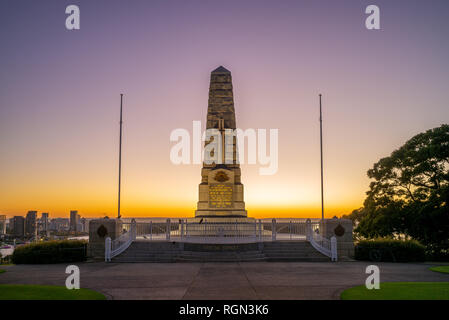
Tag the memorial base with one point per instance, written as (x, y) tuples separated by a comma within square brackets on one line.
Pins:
[(221, 226)]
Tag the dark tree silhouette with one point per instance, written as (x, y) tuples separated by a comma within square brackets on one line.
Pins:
[(410, 192)]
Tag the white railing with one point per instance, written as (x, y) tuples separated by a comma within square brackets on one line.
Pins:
[(115, 247), (320, 243), (220, 232), (232, 231), (209, 231)]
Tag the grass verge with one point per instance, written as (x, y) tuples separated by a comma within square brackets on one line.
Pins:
[(36, 292), (400, 291), (442, 269)]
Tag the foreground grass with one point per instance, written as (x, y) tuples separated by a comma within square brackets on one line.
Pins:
[(35, 292), (442, 269), (400, 291), (1, 270)]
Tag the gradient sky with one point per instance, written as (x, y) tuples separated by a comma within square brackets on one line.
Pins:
[(59, 98)]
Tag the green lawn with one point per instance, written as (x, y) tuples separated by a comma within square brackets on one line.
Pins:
[(442, 269), (1, 270), (34, 292), (400, 291)]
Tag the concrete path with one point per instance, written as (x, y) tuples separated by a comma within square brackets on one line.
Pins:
[(246, 280)]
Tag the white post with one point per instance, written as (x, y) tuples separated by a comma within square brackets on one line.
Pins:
[(167, 231), (334, 249), (151, 230), (290, 229), (260, 229), (107, 249), (308, 230), (273, 229), (182, 228), (133, 229), (256, 233)]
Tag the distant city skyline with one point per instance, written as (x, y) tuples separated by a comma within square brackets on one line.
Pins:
[(60, 94), (34, 224)]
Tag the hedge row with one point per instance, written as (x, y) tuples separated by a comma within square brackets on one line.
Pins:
[(389, 250), (50, 252), (437, 253)]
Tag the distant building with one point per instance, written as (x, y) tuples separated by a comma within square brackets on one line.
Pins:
[(2, 224), (17, 224), (74, 220), (31, 224), (44, 223), (85, 223), (59, 224)]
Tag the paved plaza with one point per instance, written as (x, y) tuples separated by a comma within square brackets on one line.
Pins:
[(244, 280)]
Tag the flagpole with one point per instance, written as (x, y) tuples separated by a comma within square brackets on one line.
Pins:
[(120, 157), (321, 152)]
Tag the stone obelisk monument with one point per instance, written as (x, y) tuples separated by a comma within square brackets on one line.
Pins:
[(221, 191)]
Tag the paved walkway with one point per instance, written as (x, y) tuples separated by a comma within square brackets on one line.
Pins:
[(245, 280)]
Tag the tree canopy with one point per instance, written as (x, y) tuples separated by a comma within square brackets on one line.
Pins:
[(409, 193)]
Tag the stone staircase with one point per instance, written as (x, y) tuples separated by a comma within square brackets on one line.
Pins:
[(150, 251), (292, 251), (195, 256), (163, 251)]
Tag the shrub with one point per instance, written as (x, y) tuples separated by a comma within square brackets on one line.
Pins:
[(389, 250), (5, 260), (50, 252), (437, 253)]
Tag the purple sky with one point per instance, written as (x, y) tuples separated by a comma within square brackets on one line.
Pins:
[(59, 95)]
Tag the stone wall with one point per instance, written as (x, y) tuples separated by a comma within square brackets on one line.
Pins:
[(342, 230), (99, 230)]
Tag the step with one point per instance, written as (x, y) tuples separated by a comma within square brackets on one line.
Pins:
[(144, 260), (163, 251), (290, 249), (316, 255), (148, 256), (206, 253), (212, 259), (220, 259), (150, 252), (299, 259), (220, 255)]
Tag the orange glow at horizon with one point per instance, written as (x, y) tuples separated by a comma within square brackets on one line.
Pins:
[(154, 187), (174, 193)]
